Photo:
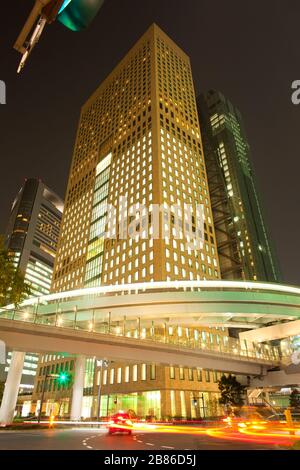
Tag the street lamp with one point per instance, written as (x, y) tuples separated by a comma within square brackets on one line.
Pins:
[(63, 378), (101, 364)]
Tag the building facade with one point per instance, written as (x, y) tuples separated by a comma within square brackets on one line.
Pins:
[(150, 391), (138, 137), (31, 239), (244, 245), (138, 147), (32, 233)]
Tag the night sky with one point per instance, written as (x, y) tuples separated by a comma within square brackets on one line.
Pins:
[(249, 50)]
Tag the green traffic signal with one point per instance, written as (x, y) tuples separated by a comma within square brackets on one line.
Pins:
[(63, 378)]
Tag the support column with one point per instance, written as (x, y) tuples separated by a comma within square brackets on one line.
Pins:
[(78, 386), (11, 389)]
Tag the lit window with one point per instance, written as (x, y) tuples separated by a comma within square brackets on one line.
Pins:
[(104, 377), (199, 374), (135, 373), (143, 372), (127, 374), (172, 372)]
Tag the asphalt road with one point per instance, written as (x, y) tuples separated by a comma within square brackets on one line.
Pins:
[(98, 439)]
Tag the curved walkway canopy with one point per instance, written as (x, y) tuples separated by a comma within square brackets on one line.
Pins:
[(234, 304)]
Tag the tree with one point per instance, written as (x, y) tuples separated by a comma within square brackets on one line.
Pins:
[(232, 392), (13, 288), (295, 399)]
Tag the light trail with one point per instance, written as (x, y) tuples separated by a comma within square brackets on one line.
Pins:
[(254, 432)]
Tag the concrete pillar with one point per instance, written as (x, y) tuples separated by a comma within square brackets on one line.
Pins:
[(11, 389), (78, 386), (164, 403)]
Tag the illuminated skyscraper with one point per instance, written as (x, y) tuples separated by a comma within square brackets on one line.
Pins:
[(31, 238), (244, 246), (138, 138), (33, 231)]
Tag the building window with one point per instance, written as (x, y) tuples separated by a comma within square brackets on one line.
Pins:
[(143, 372), (127, 374), (183, 405), (199, 374), (119, 375), (172, 372), (173, 404), (104, 377), (215, 374), (152, 372), (135, 373), (112, 376), (207, 376), (191, 374), (181, 373)]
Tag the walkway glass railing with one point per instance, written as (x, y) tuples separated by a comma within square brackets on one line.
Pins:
[(148, 330)]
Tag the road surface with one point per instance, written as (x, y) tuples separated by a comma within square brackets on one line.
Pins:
[(98, 439)]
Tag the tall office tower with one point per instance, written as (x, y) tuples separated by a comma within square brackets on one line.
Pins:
[(31, 238), (139, 139), (32, 233), (244, 246)]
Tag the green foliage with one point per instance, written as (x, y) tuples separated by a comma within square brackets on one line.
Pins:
[(232, 392), (295, 399), (13, 288)]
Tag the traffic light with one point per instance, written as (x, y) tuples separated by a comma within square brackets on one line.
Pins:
[(63, 378), (78, 14), (74, 14), (51, 10)]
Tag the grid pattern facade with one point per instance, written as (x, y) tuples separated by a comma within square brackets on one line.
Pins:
[(47, 230), (143, 122)]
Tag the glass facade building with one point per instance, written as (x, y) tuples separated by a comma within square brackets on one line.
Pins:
[(31, 239), (244, 245)]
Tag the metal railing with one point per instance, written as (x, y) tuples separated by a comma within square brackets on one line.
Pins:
[(148, 331)]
